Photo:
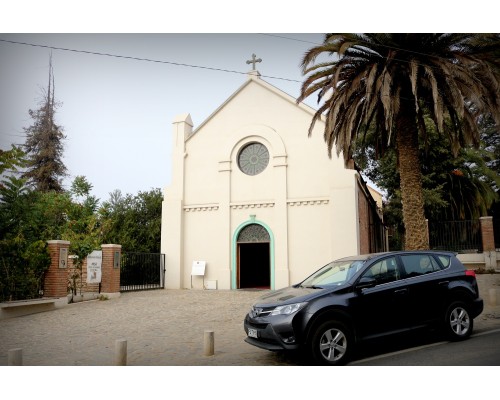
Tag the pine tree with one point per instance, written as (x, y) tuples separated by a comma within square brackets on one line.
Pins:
[(44, 144)]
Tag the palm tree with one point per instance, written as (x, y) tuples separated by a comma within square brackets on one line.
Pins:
[(388, 82)]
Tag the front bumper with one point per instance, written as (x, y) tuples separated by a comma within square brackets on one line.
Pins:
[(272, 337)]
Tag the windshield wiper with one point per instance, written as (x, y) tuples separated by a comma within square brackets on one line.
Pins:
[(313, 287)]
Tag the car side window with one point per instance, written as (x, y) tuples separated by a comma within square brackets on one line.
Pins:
[(419, 264), (383, 271), (445, 260)]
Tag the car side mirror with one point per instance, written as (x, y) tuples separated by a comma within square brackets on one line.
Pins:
[(366, 282)]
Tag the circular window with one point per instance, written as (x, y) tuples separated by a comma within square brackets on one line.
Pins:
[(253, 158)]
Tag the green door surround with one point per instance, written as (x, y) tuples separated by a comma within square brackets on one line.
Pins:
[(234, 249)]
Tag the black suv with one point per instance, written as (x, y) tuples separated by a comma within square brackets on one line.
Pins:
[(367, 296)]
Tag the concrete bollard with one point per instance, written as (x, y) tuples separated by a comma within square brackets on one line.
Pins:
[(493, 296), (120, 352), (209, 343), (15, 357)]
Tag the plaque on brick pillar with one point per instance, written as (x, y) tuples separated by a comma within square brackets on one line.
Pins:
[(63, 257), (116, 260)]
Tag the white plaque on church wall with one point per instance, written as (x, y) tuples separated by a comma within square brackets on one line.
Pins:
[(94, 267), (198, 268)]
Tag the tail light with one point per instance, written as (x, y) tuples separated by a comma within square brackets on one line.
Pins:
[(470, 272)]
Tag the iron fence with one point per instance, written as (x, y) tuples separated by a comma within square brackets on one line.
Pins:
[(496, 232), (142, 271), (459, 236), (378, 237), (395, 235)]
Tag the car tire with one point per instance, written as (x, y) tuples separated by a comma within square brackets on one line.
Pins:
[(458, 322), (331, 343)]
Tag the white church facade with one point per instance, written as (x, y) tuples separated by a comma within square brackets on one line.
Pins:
[(256, 199)]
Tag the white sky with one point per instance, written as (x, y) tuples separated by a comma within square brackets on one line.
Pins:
[(117, 112)]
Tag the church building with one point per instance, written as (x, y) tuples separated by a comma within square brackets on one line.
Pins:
[(257, 202)]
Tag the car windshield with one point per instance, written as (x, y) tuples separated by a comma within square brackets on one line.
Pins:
[(335, 273)]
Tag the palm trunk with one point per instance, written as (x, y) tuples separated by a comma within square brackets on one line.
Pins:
[(416, 236)]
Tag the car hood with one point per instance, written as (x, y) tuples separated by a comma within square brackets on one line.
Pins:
[(292, 294)]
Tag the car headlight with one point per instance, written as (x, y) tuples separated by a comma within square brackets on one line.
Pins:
[(288, 309)]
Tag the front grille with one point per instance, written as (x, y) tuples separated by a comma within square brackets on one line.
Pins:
[(260, 312), (257, 326)]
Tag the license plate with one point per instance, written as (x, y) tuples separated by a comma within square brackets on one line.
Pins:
[(252, 333)]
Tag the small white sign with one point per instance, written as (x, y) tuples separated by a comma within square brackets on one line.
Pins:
[(198, 268), (94, 266)]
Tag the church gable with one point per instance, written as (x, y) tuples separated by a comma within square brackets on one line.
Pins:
[(259, 113), (254, 95)]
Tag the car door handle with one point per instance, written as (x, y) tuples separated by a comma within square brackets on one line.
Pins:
[(444, 283), (401, 291)]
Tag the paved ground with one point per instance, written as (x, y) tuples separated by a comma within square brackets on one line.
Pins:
[(162, 328)]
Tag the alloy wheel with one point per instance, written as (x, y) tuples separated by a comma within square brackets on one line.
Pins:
[(333, 345), (459, 321)]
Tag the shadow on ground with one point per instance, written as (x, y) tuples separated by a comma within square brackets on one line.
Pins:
[(366, 350)]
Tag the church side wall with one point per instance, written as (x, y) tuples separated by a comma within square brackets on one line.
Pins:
[(344, 216), (310, 239)]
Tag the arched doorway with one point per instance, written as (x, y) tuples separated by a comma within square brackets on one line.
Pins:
[(253, 258)]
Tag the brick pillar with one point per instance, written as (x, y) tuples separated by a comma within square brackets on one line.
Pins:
[(110, 273), (487, 235), (56, 278)]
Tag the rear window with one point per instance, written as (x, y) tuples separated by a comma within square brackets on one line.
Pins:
[(421, 264), (445, 260)]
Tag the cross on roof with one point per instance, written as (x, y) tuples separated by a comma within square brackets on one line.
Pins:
[(253, 61)]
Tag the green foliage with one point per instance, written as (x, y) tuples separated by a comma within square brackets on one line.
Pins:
[(81, 187), (81, 246), (133, 221), (23, 249), (28, 219), (22, 268), (23, 258), (12, 160), (454, 188), (82, 228)]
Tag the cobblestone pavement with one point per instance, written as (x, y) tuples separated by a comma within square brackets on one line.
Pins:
[(162, 328)]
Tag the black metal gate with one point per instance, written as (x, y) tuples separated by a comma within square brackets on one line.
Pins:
[(459, 236), (142, 271)]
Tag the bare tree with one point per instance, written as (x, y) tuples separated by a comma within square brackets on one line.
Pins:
[(44, 143)]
